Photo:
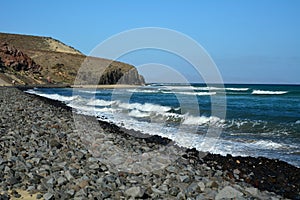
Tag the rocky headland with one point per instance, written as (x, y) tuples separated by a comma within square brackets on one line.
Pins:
[(49, 152), (35, 60)]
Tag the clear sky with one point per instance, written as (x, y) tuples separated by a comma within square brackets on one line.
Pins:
[(255, 41)]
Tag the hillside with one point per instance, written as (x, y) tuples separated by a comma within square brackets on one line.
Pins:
[(57, 63), (36, 43)]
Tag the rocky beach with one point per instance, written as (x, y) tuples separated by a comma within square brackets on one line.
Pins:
[(49, 152)]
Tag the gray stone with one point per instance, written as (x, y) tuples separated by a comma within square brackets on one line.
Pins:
[(79, 198), (80, 193), (94, 166), (13, 180), (157, 191), (181, 196), (71, 192), (41, 187), (228, 192), (103, 168), (48, 196), (100, 180), (92, 159), (110, 178), (171, 169), (212, 184), (218, 173), (50, 181), (200, 197), (236, 171), (252, 191), (174, 191), (164, 188), (122, 187), (68, 175), (135, 192), (61, 180), (184, 179), (55, 143), (30, 188), (201, 186), (193, 188), (275, 198), (6, 169)]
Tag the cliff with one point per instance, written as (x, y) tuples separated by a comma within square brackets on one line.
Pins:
[(28, 59)]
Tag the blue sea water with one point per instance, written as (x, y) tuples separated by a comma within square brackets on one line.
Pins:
[(260, 120)]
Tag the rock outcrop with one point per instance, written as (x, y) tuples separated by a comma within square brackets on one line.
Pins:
[(12, 58), (119, 76)]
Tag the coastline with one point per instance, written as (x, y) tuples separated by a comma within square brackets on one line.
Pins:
[(190, 171), (119, 86)]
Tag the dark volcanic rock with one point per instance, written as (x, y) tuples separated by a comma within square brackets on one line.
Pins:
[(10, 57), (263, 173), (119, 76)]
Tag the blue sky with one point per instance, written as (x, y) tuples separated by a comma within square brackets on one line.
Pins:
[(255, 41)]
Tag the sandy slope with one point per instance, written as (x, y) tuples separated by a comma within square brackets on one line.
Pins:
[(60, 47)]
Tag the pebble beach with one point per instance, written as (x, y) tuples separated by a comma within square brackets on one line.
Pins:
[(49, 152)]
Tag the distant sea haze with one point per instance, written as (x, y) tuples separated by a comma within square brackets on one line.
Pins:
[(261, 120)]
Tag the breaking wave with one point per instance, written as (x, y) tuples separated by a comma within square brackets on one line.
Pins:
[(99, 102), (57, 97), (266, 92), (237, 89)]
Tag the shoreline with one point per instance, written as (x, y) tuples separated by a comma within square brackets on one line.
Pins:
[(117, 86), (272, 175), (264, 167)]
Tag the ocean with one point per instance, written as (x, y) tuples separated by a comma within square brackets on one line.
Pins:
[(240, 119)]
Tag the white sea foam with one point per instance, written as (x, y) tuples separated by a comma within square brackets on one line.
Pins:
[(138, 114), (265, 144), (199, 93), (147, 107), (99, 102), (54, 96), (188, 88), (32, 91), (266, 92), (220, 88), (211, 88), (297, 122), (192, 120), (142, 91), (181, 88), (191, 93), (237, 89), (90, 110)]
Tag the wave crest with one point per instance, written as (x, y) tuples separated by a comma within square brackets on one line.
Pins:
[(266, 92)]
